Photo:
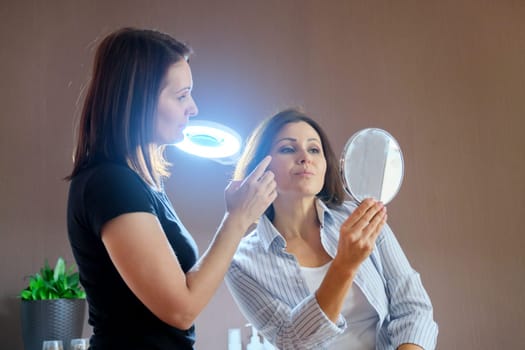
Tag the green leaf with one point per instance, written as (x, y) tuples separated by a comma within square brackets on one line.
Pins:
[(26, 295), (35, 282), (60, 269), (42, 294), (73, 279), (46, 272), (60, 282)]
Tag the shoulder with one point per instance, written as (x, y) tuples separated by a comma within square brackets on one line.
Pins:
[(114, 174), (111, 185), (110, 176), (255, 263), (251, 250), (104, 191)]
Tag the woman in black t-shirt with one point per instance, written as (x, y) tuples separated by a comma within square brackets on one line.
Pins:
[(145, 284)]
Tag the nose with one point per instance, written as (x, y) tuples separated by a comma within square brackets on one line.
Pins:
[(192, 109), (304, 158)]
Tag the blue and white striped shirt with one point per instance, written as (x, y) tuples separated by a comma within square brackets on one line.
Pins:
[(267, 284)]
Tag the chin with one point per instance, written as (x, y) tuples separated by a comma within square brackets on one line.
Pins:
[(171, 139), (177, 139)]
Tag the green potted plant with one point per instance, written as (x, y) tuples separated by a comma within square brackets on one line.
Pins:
[(53, 306)]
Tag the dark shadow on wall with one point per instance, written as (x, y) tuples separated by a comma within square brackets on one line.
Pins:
[(10, 330)]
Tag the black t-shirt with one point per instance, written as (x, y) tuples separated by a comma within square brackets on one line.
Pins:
[(98, 194)]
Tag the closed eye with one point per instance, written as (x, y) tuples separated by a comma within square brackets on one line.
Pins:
[(183, 97)]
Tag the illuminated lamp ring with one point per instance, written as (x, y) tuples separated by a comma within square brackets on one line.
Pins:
[(209, 139)]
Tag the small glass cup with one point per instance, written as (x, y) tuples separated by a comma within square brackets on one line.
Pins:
[(52, 345), (79, 344)]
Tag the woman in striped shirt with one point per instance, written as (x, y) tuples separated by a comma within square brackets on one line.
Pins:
[(319, 272)]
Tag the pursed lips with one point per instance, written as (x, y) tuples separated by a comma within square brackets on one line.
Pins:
[(304, 173)]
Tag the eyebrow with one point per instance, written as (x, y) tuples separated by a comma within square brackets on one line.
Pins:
[(173, 91), (183, 89), (295, 140)]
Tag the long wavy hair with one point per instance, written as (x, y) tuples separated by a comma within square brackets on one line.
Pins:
[(118, 118)]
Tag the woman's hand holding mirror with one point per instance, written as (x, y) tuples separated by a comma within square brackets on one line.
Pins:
[(359, 232)]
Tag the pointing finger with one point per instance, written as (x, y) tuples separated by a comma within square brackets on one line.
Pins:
[(259, 170)]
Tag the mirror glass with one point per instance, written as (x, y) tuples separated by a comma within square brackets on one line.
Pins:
[(372, 166)]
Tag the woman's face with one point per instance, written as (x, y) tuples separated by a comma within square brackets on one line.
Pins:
[(298, 161), (175, 105)]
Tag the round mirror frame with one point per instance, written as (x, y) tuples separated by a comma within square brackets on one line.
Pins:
[(356, 197)]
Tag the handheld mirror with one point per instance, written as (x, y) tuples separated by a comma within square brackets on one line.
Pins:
[(372, 166)]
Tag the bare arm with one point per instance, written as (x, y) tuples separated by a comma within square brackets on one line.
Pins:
[(144, 258), (356, 242)]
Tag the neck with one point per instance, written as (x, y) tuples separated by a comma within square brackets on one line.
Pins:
[(296, 218)]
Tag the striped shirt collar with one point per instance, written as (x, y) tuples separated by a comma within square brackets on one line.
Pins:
[(268, 233)]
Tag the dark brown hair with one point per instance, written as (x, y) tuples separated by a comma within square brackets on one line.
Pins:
[(117, 122), (260, 142)]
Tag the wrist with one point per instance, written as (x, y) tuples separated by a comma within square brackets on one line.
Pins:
[(343, 270), (235, 223)]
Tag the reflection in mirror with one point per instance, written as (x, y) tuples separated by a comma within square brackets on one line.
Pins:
[(372, 166)]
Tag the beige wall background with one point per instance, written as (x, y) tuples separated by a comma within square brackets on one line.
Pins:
[(446, 78)]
